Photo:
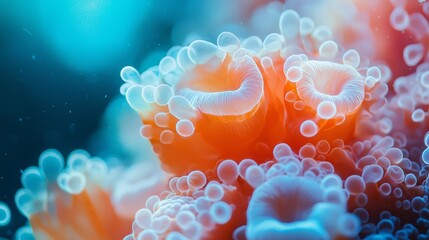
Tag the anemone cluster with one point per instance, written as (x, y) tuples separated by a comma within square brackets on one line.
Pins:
[(296, 135)]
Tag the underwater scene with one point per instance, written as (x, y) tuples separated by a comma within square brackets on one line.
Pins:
[(214, 119)]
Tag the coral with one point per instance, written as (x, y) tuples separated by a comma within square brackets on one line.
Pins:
[(302, 134)]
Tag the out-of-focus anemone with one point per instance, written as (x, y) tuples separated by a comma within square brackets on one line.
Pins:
[(136, 184), (412, 17), (212, 205), (241, 97), (401, 32), (348, 25), (80, 200), (118, 135), (408, 106)]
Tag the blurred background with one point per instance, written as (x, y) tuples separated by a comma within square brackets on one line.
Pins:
[(59, 73), (59, 69)]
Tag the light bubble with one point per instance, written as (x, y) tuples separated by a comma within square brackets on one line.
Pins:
[(161, 224), (425, 156), (397, 193), (201, 51), (185, 128), (76, 183), (175, 236), (418, 115), (146, 131), (167, 65), (361, 199), (307, 26), (352, 58), (385, 189), (214, 192), (196, 179), (426, 139), (239, 55), (292, 60), (148, 234), (326, 110), (184, 219), (273, 42), (130, 75), (294, 74), (385, 226), (372, 173), (424, 79), (290, 96), (395, 173), (166, 137), (182, 184), (406, 204), (243, 165), (206, 220), (143, 218), (148, 93), (152, 201), (418, 204), (51, 162), (355, 184), (322, 33), (183, 59), (399, 19), (328, 49), (33, 180), (202, 204), (309, 128), (228, 42), (410, 180), (161, 119), (394, 155), (374, 72), (362, 213), (228, 171), (289, 24), (413, 53), (24, 233), (221, 212), (5, 214), (239, 233), (323, 147), (331, 180), (162, 94), (255, 175), (252, 44)]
